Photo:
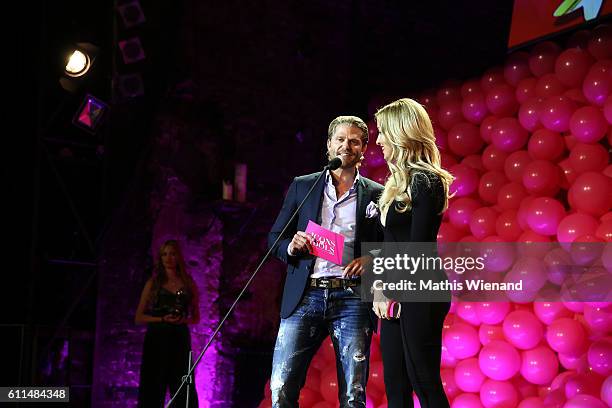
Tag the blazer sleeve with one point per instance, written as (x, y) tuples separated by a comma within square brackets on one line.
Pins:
[(425, 207), (289, 206)]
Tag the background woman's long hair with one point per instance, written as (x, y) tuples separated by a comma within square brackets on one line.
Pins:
[(408, 130), (159, 272)]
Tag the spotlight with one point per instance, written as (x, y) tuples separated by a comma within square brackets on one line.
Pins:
[(131, 50), (130, 85), (78, 63), (131, 13), (90, 114)]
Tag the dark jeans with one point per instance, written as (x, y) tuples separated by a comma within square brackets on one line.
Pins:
[(339, 313)]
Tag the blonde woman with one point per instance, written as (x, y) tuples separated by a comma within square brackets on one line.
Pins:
[(411, 206)]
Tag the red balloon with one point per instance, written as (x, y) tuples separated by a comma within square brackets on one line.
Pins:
[(572, 66), (441, 138), (588, 157), (474, 161), (514, 166), (568, 174), (516, 68), (588, 124), (600, 43), (597, 84), (466, 180), (474, 107), (470, 87), (544, 215), (460, 212), (308, 398), (592, 193), (579, 39), (508, 135), (549, 85), (542, 177), (507, 226), (501, 100), (490, 184), (556, 113), (448, 93), (449, 115), (529, 113), (546, 145), (542, 58), (448, 160), (575, 95), (379, 174), (525, 89), (510, 196), (486, 128), (608, 110), (464, 139), (493, 158), (491, 79), (374, 155), (329, 384), (428, 99), (482, 223), (449, 233), (523, 212), (573, 226), (604, 231)]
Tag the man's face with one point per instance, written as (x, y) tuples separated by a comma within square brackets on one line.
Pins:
[(347, 145)]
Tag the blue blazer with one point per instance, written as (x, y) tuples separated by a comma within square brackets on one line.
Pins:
[(300, 267)]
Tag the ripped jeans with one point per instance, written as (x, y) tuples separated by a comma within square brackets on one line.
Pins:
[(339, 313)]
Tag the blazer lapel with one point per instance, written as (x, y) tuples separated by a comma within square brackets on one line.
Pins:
[(363, 194)]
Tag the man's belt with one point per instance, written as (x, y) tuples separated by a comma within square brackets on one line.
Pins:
[(333, 283)]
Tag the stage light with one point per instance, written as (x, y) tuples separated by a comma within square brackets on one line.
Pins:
[(91, 114), (130, 85), (131, 13), (79, 62), (131, 50)]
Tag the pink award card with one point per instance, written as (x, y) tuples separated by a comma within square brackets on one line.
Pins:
[(326, 244)]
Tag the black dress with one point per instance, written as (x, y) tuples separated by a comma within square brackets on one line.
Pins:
[(165, 355), (412, 345)]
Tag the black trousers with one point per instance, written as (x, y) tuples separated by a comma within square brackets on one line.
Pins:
[(411, 350), (165, 357)]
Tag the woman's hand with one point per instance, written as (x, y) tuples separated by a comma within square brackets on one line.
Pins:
[(172, 319), (380, 309)]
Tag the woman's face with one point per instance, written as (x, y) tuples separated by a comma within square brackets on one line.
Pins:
[(169, 258), (382, 141)]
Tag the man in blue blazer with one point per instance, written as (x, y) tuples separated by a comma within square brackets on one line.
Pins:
[(321, 298)]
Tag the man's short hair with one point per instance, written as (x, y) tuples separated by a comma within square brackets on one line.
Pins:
[(352, 121)]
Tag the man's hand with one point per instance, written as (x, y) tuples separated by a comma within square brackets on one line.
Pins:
[(356, 267), (300, 244)]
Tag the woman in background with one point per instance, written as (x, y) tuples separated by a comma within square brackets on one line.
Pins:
[(168, 303)]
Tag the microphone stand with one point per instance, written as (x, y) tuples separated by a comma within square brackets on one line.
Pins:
[(332, 165)]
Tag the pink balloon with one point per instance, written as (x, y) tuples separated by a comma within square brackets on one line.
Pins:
[(542, 177), (546, 145), (597, 84), (466, 180), (448, 382), (604, 231), (474, 161), (608, 109), (583, 384), (474, 108), (529, 113), (549, 85), (329, 385), (584, 401), (448, 93), (482, 223), (559, 265), (488, 333), (464, 139), (499, 360), (588, 124), (588, 157), (460, 212), (572, 65), (467, 311), (492, 78), (531, 402), (486, 128), (492, 312), (523, 212), (544, 215), (577, 363), (599, 319), (525, 89), (467, 401), (548, 312), (510, 195), (592, 193), (523, 330), (568, 174), (576, 96), (514, 166), (516, 68), (468, 376), (508, 135), (498, 255), (600, 356), (470, 87), (531, 271), (606, 391), (565, 335), (600, 43), (525, 388), (501, 100), (507, 226), (447, 360), (448, 233), (556, 113), (498, 394), (490, 184), (493, 158), (448, 160), (461, 340), (449, 115), (539, 365), (542, 58)]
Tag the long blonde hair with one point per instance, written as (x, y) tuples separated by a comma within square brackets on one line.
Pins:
[(407, 128)]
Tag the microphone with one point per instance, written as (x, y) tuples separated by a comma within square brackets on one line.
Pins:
[(334, 163)]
